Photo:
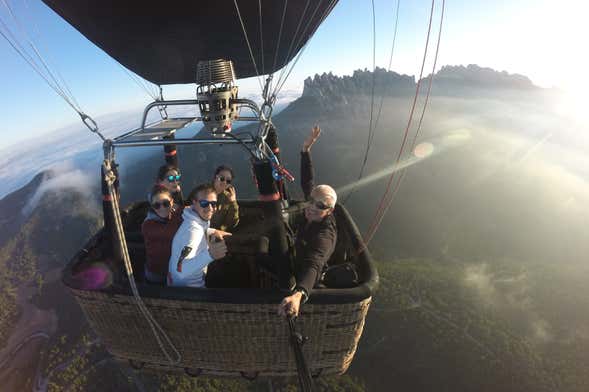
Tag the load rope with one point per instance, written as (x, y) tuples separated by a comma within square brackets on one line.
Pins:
[(110, 179), (370, 129), (247, 41), (381, 211), (140, 82), (292, 42), (390, 61), (38, 34), (328, 9), (59, 89), (33, 59), (261, 36)]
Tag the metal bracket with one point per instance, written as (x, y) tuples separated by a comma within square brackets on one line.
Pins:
[(91, 124)]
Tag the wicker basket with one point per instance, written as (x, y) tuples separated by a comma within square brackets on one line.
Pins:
[(230, 332), (226, 339)]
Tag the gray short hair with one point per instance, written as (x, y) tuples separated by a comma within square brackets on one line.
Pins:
[(327, 194)]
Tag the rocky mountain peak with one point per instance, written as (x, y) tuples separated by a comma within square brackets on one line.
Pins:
[(339, 89)]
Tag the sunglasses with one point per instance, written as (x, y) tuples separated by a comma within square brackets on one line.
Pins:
[(224, 179), (206, 203), (157, 205), (174, 178), (319, 205)]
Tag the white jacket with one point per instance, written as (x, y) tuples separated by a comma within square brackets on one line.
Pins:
[(193, 233)]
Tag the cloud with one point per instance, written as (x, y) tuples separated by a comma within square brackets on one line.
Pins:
[(64, 177), (509, 296), (74, 143)]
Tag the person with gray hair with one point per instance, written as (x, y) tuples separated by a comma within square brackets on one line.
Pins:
[(316, 235)]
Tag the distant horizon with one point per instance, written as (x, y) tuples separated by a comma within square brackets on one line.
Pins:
[(473, 33), (75, 122)]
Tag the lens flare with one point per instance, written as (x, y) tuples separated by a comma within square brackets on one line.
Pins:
[(423, 150)]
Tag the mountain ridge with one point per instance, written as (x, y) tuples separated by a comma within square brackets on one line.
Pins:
[(327, 86)]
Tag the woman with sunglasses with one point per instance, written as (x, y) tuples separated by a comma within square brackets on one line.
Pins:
[(226, 217), (158, 229), (169, 176), (316, 233)]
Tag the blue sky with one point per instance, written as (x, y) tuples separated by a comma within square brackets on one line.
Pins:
[(534, 38)]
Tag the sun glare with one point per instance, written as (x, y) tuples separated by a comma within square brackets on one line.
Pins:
[(573, 105)]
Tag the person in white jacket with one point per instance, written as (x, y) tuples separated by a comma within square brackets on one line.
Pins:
[(195, 244)]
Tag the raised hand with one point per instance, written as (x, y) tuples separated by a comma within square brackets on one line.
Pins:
[(231, 193), (312, 138)]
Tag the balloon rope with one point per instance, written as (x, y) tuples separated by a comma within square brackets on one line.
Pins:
[(261, 36), (370, 128), (292, 42), (390, 63), (156, 328), (325, 13), (247, 41), (377, 222), (281, 81)]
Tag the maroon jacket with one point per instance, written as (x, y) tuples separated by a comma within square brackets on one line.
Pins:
[(158, 234)]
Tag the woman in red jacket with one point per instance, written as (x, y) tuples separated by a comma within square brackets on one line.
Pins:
[(162, 221)]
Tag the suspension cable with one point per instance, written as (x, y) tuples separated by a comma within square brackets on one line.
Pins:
[(390, 62), (294, 39), (247, 41), (49, 74), (323, 16), (139, 82), (35, 68), (156, 328), (281, 81), (376, 219), (31, 21), (370, 129), (261, 36), (280, 33), (381, 210), (404, 170)]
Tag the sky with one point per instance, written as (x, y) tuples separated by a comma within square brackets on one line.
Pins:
[(539, 39)]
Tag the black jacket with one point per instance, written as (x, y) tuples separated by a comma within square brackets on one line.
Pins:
[(315, 241)]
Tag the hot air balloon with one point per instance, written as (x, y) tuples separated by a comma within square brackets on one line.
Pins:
[(216, 331)]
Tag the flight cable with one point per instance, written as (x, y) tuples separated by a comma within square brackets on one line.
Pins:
[(325, 13), (70, 97), (294, 39), (38, 34), (247, 41), (381, 210), (110, 178), (54, 84), (261, 36), (139, 81), (370, 129), (390, 62), (404, 170), (282, 80)]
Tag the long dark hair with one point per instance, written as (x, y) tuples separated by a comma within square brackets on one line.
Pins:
[(159, 190), (161, 172), (219, 169)]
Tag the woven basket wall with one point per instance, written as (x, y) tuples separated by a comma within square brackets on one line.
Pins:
[(226, 339)]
